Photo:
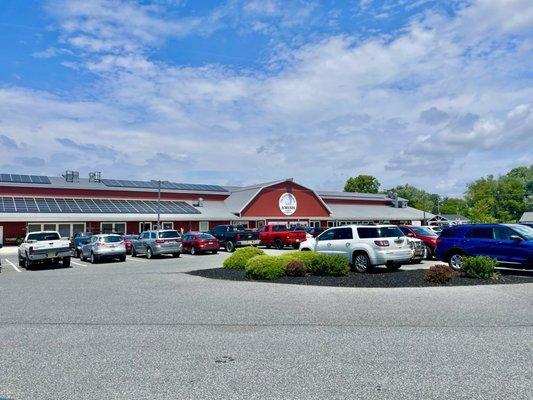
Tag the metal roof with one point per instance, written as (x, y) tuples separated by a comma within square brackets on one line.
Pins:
[(375, 212), (527, 217)]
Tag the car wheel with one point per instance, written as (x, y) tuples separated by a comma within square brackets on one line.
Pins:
[(66, 262), (93, 258), (230, 247), (22, 262), (77, 254), (123, 258), (176, 255), (268, 246), (215, 251), (149, 253), (361, 262), (456, 260), (428, 253), (279, 244), (133, 252), (193, 251)]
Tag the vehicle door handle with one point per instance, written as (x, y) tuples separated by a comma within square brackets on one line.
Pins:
[(348, 244)]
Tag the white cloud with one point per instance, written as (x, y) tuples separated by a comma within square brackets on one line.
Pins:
[(442, 93)]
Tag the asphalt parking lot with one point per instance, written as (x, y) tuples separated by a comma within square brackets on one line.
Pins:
[(146, 329)]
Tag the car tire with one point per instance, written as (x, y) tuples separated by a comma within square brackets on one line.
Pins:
[(428, 253), (82, 257), (149, 253), (361, 262), (215, 251), (392, 266), (278, 243), (133, 252), (76, 253), (66, 262), (176, 255), (268, 246), (456, 259), (22, 262), (296, 246), (192, 251), (230, 247), (93, 258), (122, 258)]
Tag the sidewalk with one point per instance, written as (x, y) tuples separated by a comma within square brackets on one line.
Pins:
[(8, 251)]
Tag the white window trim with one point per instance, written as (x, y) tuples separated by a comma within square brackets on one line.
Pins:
[(167, 222), (56, 224), (200, 226), (145, 222)]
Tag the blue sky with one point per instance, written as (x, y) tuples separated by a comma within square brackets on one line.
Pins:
[(234, 92)]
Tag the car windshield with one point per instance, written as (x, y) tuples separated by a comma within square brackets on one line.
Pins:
[(423, 231), (111, 239), (42, 236), (205, 236), (169, 234), (384, 232), (523, 230)]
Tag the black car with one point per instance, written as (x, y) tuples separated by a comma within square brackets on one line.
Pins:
[(233, 236)]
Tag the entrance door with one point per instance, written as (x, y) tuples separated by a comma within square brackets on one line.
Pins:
[(145, 226)]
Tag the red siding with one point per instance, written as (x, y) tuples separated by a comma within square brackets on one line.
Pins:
[(266, 203), (13, 230)]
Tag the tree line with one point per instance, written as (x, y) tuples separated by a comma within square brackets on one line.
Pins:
[(487, 199)]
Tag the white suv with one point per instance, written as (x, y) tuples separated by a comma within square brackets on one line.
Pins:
[(364, 245)]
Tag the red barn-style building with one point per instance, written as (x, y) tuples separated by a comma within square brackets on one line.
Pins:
[(69, 205)]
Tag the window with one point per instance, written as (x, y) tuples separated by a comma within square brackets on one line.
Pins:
[(43, 236), (204, 226), (328, 235), (106, 228), (113, 227), (78, 228), (205, 236), (384, 232), (424, 231), (168, 225), (480, 233), (64, 230), (279, 228), (314, 224), (152, 235), (503, 233), (331, 224), (169, 234), (34, 228), (111, 239), (405, 230), (49, 227), (145, 235), (343, 234)]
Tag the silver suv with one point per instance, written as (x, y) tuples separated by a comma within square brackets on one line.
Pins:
[(103, 246), (364, 245), (154, 243)]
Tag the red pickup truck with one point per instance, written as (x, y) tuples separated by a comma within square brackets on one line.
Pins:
[(280, 236)]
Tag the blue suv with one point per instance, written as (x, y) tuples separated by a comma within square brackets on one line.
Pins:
[(510, 244)]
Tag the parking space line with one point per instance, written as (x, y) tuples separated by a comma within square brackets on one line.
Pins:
[(13, 265), (136, 259), (75, 263)]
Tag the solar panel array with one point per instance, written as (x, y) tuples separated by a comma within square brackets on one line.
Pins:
[(169, 185), (16, 178), (97, 206)]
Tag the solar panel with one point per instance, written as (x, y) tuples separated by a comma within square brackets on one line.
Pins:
[(17, 178), (98, 206), (170, 185)]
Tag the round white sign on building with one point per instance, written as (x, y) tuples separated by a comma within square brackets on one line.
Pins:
[(287, 203)]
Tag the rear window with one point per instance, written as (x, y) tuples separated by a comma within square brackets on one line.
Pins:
[(385, 232), (279, 228), (111, 239), (39, 237), (205, 236), (169, 234)]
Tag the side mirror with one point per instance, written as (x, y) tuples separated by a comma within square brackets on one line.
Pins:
[(515, 238)]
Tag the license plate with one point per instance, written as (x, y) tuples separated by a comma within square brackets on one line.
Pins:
[(112, 246), (250, 242)]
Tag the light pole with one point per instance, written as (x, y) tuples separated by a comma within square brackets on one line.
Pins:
[(159, 183)]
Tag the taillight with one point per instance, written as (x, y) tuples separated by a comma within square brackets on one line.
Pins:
[(159, 241), (237, 237), (381, 243)]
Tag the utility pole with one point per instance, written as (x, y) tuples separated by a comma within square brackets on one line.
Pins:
[(159, 183)]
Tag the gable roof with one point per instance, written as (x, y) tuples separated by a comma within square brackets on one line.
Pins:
[(527, 217)]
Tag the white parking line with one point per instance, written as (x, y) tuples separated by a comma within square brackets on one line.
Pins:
[(136, 259), (78, 264), (13, 265)]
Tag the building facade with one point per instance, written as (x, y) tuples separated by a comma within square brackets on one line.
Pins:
[(31, 203)]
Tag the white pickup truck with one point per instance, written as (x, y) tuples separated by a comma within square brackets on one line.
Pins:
[(44, 247)]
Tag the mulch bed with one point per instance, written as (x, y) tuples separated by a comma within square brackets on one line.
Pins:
[(378, 278)]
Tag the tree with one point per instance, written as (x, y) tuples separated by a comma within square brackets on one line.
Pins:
[(453, 205), (417, 198), (362, 184)]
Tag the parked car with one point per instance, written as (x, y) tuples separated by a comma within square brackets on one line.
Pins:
[(0, 259), (435, 229), (127, 241), (280, 236), (200, 242), (44, 247), (423, 233), (78, 240), (157, 242), (310, 230), (510, 244), (233, 236), (418, 248), (364, 246), (104, 246)]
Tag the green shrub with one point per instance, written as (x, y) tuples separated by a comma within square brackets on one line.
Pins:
[(241, 256), (265, 267), (323, 264), (440, 274), (479, 267), (295, 268), (305, 257)]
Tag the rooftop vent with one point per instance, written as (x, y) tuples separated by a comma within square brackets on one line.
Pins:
[(71, 176), (95, 176), (199, 202)]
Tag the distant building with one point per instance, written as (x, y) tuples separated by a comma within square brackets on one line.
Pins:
[(527, 218), (448, 219)]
